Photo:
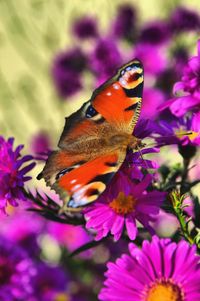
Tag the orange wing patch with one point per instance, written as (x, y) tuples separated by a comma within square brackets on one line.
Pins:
[(119, 101), (85, 183)]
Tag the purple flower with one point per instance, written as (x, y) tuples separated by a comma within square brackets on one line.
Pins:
[(16, 272), (182, 131), (12, 227), (161, 270), (152, 98), (156, 33), (105, 59), (190, 84), (66, 235), (12, 176), (40, 145), (184, 19), (121, 205), (85, 28), (190, 81), (67, 69), (124, 25), (148, 54), (49, 283)]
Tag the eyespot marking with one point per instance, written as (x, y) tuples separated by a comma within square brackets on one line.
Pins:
[(90, 112)]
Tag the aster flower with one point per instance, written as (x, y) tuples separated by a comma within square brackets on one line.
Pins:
[(12, 227), (184, 19), (17, 272), (152, 98), (66, 235), (148, 54), (121, 205), (105, 59), (49, 283), (85, 28), (40, 145), (182, 131), (161, 270), (190, 85), (156, 33), (124, 25), (66, 71), (12, 176)]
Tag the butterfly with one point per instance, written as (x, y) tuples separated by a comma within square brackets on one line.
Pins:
[(95, 139)]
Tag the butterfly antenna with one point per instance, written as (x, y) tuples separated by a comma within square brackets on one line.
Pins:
[(145, 163)]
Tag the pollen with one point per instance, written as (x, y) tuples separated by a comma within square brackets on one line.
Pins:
[(123, 204), (164, 291)]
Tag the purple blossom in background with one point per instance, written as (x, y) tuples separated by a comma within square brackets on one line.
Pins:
[(190, 84), (149, 54), (190, 80), (152, 98), (16, 272), (105, 59), (85, 28), (13, 227), (66, 71), (121, 205), (160, 269), (49, 282), (184, 19), (66, 235), (124, 25), (156, 33), (40, 145), (12, 174)]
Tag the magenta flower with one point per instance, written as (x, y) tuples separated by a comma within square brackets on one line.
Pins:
[(156, 32), (190, 81), (85, 28), (40, 145), (105, 59), (16, 272), (190, 85), (66, 72), (12, 176), (124, 25), (50, 283), (66, 235), (182, 131), (121, 205), (184, 19), (152, 98), (148, 54), (161, 270)]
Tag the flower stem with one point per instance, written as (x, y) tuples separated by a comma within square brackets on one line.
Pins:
[(177, 203)]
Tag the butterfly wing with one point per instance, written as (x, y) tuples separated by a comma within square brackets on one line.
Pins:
[(117, 102), (79, 182), (83, 166)]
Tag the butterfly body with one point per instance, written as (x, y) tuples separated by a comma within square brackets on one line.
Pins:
[(95, 139)]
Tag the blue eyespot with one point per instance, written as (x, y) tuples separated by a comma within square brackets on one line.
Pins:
[(91, 112)]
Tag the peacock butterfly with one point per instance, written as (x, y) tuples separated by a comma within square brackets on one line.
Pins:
[(95, 139)]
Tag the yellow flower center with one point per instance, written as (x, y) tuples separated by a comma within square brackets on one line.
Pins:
[(123, 204), (164, 291), (62, 297), (190, 134)]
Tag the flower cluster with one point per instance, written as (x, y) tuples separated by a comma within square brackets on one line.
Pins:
[(12, 173)]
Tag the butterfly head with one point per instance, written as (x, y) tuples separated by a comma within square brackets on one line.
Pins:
[(131, 75)]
